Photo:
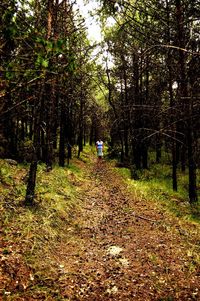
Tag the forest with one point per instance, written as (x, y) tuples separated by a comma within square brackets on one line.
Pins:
[(53, 93), (137, 88)]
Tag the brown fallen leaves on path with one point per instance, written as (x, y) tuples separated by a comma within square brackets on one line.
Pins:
[(114, 246), (124, 248)]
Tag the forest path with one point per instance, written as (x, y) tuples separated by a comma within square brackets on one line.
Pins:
[(123, 248)]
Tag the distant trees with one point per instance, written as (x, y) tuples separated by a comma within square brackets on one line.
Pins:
[(153, 91)]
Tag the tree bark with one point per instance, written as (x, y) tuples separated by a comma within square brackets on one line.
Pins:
[(30, 190), (191, 152), (62, 136)]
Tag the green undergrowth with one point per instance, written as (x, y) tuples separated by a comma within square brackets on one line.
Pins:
[(36, 231), (88, 154), (156, 185)]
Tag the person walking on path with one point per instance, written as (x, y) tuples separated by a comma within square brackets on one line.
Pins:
[(99, 148)]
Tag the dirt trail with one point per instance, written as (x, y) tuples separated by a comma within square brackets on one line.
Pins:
[(116, 251)]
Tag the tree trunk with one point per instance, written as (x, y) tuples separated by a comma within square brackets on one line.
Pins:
[(186, 103), (51, 99), (30, 190), (80, 136), (50, 126), (62, 136), (173, 117), (144, 153), (191, 151), (91, 134), (126, 111), (9, 130)]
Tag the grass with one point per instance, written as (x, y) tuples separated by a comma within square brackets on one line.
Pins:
[(88, 153), (35, 232), (156, 185)]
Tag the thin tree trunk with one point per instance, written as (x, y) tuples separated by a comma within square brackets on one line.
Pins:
[(114, 110), (91, 134), (126, 111), (50, 127), (9, 130), (174, 144), (191, 161), (51, 99), (80, 136), (30, 190), (62, 136)]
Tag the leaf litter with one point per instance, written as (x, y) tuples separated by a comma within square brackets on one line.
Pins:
[(122, 256), (113, 250)]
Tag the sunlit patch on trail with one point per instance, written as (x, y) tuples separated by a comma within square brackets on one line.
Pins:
[(112, 290), (124, 261), (114, 250)]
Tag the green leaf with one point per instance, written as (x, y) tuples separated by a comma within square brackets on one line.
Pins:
[(38, 61), (49, 46), (45, 63), (60, 44)]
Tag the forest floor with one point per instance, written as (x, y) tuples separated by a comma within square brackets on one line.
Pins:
[(115, 247)]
